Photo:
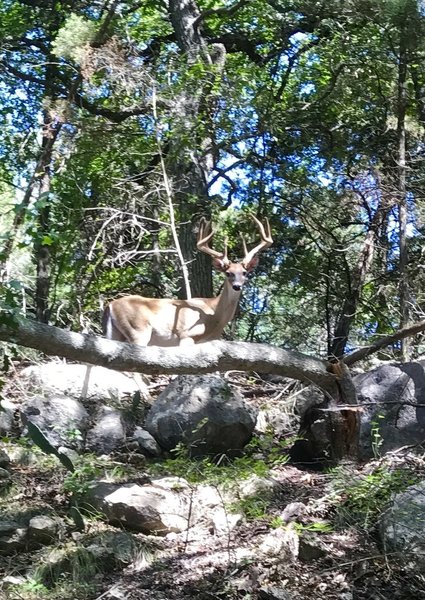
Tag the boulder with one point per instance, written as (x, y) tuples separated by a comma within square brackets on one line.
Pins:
[(159, 508), (390, 418), (63, 420), (42, 529), (204, 413), (114, 548), (167, 505), (13, 537), (310, 548), (4, 459), (68, 379), (294, 511), (272, 592), (7, 416), (212, 510), (403, 525), (108, 433), (274, 417), (282, 542), (4, 476), (255, 485), (146, 443)]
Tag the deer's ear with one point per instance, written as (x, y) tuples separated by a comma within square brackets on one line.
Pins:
[(220, 265), (252, 263)]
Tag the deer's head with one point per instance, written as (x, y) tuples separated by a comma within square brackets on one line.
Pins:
[(236, 272)]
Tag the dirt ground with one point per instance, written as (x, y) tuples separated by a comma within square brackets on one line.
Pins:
[(330, 550)]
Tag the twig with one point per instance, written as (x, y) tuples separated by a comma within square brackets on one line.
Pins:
[(183, 264)]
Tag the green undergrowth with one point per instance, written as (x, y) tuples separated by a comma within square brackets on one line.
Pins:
[(361, 500), (259, 456), (74, 571)]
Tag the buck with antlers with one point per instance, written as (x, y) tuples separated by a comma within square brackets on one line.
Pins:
[(168, 322)]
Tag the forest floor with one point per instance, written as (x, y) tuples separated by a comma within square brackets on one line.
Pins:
[(329, 549)]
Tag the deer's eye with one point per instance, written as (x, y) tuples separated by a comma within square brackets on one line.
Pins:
[(244, 273)]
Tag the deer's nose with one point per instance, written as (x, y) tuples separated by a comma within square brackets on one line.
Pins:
[(237, 287)]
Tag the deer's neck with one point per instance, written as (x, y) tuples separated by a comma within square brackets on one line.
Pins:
[(226, 304)]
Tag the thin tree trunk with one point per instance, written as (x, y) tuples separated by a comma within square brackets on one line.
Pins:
[(401, 173), (42, 252), (357, 281)]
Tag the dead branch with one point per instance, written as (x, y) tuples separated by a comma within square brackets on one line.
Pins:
[(388, 340)]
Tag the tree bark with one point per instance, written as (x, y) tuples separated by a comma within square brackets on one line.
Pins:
[(190, 169), (201, 358), (401, 172), (357, 281), (388, 340), (42, 251)]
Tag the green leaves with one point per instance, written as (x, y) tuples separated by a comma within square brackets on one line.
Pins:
[(73, 38), (43, 443)]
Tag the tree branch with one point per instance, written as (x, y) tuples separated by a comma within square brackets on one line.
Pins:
[(116, 116), (223, 10), (410, 330), (213, 356)]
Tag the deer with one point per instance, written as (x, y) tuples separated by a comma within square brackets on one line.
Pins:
[(169, 322)]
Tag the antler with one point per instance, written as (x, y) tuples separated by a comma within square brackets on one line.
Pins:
[(266, 240), (204, 236)]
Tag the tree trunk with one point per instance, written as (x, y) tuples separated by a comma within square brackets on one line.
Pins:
[(401, 173), (42, 253), (357, 281), (190, 169), (42, 250)]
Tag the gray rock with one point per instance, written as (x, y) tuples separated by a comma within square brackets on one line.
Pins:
[(4, 475), (280, 421), (68, 379), (272, 592), (164, 506), (70, 453), (212, 509), (306, 399), (389, 419), (108, 433), (403, 525), (18, 455), (223, 522), (159, 508), (202, 412), (62, 420), (120, 546), (387, 422), (11, 580), (281, 542), (310, 549), (146, 443), (7, 416), (13, 537), (4, 459), (7, 527), (257, 486), (43, 529), (293, 511)]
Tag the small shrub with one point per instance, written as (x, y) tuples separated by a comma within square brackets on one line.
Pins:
[(365, 498), (260, 455)]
